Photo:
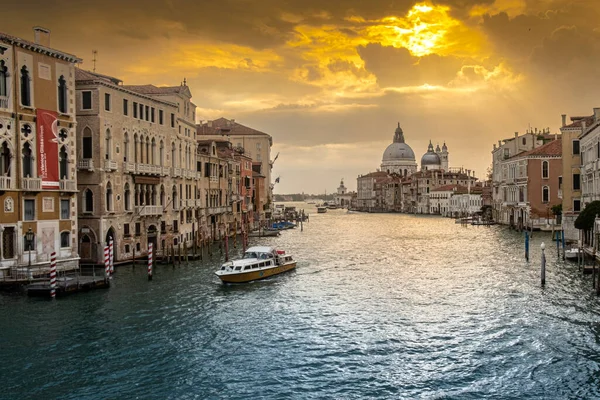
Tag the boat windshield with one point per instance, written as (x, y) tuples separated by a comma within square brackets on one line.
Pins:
[(250, 254)]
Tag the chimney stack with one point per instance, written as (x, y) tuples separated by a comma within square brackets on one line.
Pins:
[(564, 119), (41, 36), (596, 113)]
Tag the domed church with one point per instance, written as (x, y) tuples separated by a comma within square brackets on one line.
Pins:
[(399, 158), (434, 160)]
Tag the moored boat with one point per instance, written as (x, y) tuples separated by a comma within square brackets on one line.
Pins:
[(571, 254), (321, 209), (259, 262)]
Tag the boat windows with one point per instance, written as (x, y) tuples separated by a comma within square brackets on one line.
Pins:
[(254, 266), (247, 267), (238, 268), (250, 255)]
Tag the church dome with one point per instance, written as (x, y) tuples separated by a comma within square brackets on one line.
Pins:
[(398, 151), (430, 158)]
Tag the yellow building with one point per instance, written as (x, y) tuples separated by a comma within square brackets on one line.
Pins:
[(570, 185), (37, 155)]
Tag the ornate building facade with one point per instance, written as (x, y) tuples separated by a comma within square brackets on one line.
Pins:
[(37, 155)]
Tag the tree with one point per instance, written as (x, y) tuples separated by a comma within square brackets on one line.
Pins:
[(585, 220)]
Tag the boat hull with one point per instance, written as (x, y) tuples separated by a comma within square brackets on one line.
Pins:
[(257, 275)]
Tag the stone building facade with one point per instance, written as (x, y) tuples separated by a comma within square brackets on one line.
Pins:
[(138, 172), (37, 155)]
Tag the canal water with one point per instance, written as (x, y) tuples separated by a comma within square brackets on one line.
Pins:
[(380, 307)]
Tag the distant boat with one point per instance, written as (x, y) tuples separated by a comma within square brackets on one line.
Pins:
[(321, 209)]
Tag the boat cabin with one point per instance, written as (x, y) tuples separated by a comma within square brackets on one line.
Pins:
[(256, 258)]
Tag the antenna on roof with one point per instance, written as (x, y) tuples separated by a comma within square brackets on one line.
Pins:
[(94, 53)]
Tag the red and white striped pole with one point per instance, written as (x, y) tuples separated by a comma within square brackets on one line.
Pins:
[(149, 261), (106, 262), (53, 274), (111, 255)]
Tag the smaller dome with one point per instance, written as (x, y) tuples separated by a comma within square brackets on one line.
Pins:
[(430, 159), (444, 148), (437, 148)]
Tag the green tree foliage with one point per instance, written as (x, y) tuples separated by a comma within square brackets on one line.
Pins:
[(585, 220), (557, 209)]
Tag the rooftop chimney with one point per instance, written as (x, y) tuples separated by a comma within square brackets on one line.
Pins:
[(41, 36), (596, 113), (564, 119)]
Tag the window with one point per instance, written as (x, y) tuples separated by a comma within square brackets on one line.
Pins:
[(65, 212), (63, 163), (135, 109), (88, 201), (175, 227), (87, 143), (29, 210), (545, 170), (576, 205), (127, 248), (524, 141), (126, 230), (598, 150), (25, 87), (575, 147), (62, 95), (545, 194), (506, 153), (127, 199), (107, 101), (160, 117), (576, 182), (3, 76), (172, 120), (125, 107), (138, 229), (163, 227), (65, 239), (141, 111), (147, 113), (86, 100), (27, 161), (109, 195), (138, 247), (559, 182), (152, 115)]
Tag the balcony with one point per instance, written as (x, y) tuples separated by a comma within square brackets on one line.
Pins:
[(166, 171), (149, 169), (31, 184), (175, 171), (3, 101), (68, 185), (219, 210), (6, 182), (146, 211), (86, 164), (110, 165), (128, 167)]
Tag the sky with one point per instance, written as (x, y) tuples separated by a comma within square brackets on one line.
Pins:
[(330, 80)]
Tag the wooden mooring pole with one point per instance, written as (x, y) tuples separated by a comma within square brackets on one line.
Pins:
[(543, 271), (526, 246)]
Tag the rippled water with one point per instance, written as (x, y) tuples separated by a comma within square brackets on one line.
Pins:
[(380, 306)]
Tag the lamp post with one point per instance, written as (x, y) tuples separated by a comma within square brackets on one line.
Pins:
[(29, 238)]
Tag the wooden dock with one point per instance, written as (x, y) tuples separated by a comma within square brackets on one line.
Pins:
[(67, 285)]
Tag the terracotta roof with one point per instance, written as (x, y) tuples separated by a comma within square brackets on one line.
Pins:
[(553, 149), (378, 174), (151, 89), (26, 44), (576, 122), (223, 126), (82, 75)]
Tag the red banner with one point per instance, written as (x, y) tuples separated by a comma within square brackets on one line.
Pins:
[(47, 148)]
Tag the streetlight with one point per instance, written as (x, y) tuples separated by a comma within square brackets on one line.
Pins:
[(29, 238)]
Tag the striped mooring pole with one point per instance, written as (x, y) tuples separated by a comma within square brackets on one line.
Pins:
[(149, 261), (53, 274), (111, 255), (106, 262)]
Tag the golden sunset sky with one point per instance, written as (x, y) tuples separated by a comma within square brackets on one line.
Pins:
[(329, 80)]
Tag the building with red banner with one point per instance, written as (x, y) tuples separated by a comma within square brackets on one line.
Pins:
[(37, 156)]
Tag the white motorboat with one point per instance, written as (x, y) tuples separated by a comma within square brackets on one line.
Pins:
[(259, 262), (571, 254)]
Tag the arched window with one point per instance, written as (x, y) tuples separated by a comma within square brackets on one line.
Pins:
[(147, 150), (63, 163), (5, 160), (173, 163), (180, 160), (545, 172), (27, 161), (162, 195), (125, 146), (62, 95), (3, 80), (108, 141), (127, 197), (88, 201), (175, 202), (65, 239), (25, 87), (545, 194), (87, 143), (109, 195), (135, 148), (161, 154), (141, 160), (153, 152)]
